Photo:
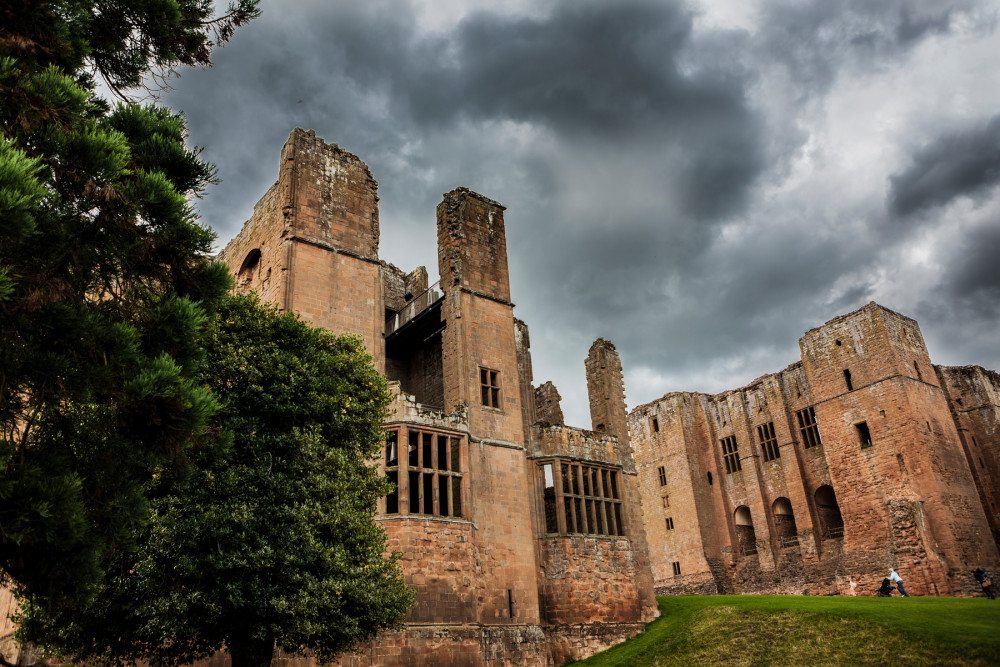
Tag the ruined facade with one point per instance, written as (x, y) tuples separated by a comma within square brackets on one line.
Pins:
[(819, 478), (522, 536)]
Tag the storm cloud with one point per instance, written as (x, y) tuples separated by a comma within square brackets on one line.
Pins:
[(701, 182)]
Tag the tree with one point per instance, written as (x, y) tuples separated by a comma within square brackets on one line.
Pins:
[(105, 280), (272, 539)]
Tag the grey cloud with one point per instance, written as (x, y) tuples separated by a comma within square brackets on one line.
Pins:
[(964, 162)]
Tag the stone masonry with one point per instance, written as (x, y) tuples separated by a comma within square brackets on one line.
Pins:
[(523, 537), (819, 478)]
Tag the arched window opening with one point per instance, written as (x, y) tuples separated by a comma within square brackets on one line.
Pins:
[(245, 277), (831, 522), (746, 537), (784, 522)]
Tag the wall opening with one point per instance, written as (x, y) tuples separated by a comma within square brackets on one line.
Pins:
[(784, 522), (847, 380), (248, 271), (864, 434), (656, 425), (830, 519), (746, 536), (916, 367)]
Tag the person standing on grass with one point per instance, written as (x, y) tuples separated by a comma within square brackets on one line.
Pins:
[(984, 581), (895, 578)]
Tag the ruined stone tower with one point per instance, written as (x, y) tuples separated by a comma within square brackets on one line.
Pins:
[(508, 569), (860, 457)]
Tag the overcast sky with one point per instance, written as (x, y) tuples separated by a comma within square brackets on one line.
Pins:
[(699, 182)]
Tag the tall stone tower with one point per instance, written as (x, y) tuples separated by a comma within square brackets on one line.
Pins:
[(311, 245)]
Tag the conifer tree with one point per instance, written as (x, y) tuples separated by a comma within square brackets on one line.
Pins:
[(105, 280)]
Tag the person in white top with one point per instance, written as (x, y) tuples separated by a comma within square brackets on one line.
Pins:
[(895, 578)]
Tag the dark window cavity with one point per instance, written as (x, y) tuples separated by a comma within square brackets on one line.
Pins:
[(768, 441), (731, 455), (429, 479), (808, 427), (864, 434)]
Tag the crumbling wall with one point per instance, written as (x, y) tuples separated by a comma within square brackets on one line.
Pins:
[(547, 404)]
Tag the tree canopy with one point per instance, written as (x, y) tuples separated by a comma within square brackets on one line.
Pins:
[(270, 541), (105, 280)]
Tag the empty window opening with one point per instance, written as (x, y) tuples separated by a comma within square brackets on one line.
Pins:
[(838, 343), (489, 385), (663, 475), (847, 380), (916, 367), (510, 602), (670, 523), (248, 271), (784, 522), (677, 568), (666, 499), (768, 441), (581, 499), (808, 427), (731, 454), (710, 479), (864, 434), (431, 476), (746, 537), (656, 425), (830, 520)]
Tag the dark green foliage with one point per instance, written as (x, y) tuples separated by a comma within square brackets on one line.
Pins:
[(105, 282), (272, 539)]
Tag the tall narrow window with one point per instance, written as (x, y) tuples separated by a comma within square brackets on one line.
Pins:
[(663, 475), (670, 523), (768, 441), (864, 435), (655, 424), (731, 454), (808, 427), (666, 499), (589, 497), (676, 567), (916, 367), (431, 470), (489, 386), (847, 380)]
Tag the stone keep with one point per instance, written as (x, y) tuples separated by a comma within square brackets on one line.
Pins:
[(817, 479), (523, 539)]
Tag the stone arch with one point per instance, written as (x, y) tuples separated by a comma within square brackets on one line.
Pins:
[(830, 519), (746, 536), (244, 279), (784, 521)]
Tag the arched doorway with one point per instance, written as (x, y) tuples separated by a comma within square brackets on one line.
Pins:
[(746, 537), (828, 509), (784, 522)]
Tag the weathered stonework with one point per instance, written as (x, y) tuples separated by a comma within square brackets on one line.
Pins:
[(466, 450), (898, 471)]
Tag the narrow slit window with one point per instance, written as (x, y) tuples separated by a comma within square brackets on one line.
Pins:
[(677, 568), (864, 434), (847, 380), (656, 425), (663, 475), (670, 523)]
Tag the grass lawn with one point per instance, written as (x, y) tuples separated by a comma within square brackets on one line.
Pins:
[(803, 630)]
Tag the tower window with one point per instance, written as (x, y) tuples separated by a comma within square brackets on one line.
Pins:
[(489, 386), (768, 441), (427, 472), (847, 380), (731, 455), (670, 523), (808, 427), (656, 425), (677, 568), (864, 434), (663, 475)]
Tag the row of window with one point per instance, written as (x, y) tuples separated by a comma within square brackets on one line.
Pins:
[(427, 470), (768, 440)]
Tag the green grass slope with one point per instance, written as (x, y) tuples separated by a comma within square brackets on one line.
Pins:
[(800, 630)]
